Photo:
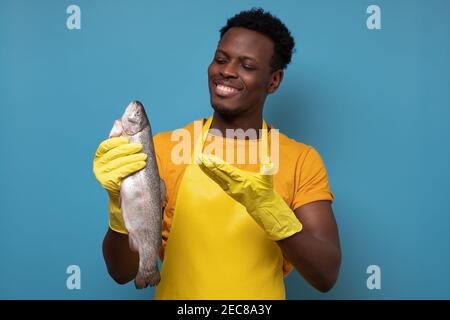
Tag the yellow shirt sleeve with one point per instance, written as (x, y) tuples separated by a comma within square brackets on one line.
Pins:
[(312, 179)]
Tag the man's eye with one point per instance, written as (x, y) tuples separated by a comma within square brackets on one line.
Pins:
[(248, 67), (220, 61)]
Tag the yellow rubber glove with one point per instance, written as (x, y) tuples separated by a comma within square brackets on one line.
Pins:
[(115, 159), (256, 193)]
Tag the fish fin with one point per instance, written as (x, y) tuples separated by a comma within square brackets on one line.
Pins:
[(147, 276), (132, 243)]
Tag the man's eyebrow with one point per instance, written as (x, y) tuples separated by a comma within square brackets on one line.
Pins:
[(241, 57)]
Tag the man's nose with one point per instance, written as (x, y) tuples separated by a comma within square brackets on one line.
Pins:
[(229, 70)]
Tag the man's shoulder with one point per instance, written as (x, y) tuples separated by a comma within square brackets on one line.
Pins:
[(292, 146), (165, 140), (298, 153)]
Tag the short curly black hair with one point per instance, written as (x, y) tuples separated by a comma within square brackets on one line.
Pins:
[(257, 19)]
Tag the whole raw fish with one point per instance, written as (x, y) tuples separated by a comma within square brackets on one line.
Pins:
[(141, 196)]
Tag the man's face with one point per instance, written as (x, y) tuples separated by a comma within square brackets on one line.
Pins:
[(240, 74)]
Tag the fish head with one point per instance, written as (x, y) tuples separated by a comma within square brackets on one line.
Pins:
[(134, 119)]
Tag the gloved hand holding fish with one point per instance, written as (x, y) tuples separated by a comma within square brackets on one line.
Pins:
[(135, 189)]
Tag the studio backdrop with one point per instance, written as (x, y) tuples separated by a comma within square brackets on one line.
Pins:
[(368, 87)]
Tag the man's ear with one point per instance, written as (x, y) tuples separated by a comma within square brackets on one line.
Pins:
[(275, 80)]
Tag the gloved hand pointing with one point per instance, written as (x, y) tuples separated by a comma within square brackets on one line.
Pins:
[(115, 159), (256, 193)]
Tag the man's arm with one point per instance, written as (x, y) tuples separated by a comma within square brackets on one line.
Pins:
[(122, 263), (315, 251)]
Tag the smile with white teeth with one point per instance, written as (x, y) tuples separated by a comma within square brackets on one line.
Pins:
[(223, 90)]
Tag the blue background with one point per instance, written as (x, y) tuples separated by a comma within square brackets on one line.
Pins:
[(374, 103)]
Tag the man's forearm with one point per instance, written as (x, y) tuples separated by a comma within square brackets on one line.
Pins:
[(122, 263), (318, 261)]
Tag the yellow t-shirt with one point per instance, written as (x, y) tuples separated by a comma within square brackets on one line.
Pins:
[(301, 177)]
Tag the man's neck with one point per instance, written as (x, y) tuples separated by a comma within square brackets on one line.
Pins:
[(244, 122)]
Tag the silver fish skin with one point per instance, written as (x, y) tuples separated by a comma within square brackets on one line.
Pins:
[(141, 195)]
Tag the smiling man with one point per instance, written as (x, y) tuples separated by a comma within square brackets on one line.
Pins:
[(235, 229)]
